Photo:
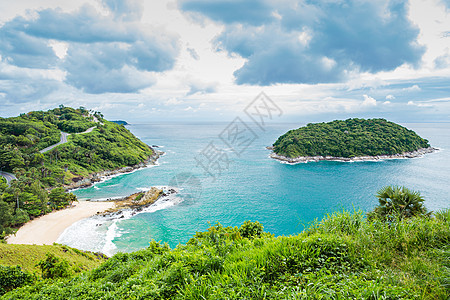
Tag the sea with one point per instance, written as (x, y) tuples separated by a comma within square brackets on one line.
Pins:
[(223, 173)]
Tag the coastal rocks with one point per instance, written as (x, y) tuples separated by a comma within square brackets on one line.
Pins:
[(305, 159), (80, 182), (136, 201)]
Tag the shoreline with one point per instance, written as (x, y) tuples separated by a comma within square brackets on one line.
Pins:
[(306, 159), (46, 229), (90, 180)]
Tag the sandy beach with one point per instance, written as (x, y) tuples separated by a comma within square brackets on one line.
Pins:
[(45, 230)]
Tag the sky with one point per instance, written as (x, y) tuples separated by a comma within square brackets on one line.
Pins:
[(201, 60)]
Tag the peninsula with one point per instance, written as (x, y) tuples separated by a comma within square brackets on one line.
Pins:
[(349, 140), (45, 153)]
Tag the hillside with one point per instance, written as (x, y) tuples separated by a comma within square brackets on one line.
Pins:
[(348, 139), (27, 256), (344, 256), (94, 145)]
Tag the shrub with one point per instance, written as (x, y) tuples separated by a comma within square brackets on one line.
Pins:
[(54, 267), (251, 229), (13, 277), (398, 203)]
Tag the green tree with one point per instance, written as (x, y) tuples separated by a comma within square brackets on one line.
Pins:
[(13, 277), (54, 267), (398, 202), (5, 219)]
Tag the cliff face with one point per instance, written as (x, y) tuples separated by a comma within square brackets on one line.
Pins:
[(83, 182)]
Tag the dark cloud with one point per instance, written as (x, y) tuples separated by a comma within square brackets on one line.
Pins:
[(312, 42), (113, 47), (22, 50), (100, 68)]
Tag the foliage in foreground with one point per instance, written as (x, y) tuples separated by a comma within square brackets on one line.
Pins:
[(343, 256), (397, 202), (349, 138), (28, 257)]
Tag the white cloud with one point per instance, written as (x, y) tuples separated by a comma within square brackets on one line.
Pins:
[(369, 101), (413, 88), (390, 97)]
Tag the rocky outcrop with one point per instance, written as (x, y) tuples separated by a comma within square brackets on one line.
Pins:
[(305, 159), (83, 182)]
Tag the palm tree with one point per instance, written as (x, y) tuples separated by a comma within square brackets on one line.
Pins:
[(398, 202)]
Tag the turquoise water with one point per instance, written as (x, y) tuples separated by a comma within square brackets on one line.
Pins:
[(284, 198)]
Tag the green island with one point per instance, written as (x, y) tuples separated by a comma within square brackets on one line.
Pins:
[(90, 147), (397, 251), (349, 140)]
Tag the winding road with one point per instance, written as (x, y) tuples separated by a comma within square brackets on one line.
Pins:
[(63, 140), (8, 176)]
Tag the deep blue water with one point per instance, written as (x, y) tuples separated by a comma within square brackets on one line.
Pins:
[(284, 198)]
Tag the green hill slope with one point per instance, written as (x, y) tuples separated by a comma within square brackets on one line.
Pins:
[(42, 177), (27, 256), (344, 256), (349, 138)]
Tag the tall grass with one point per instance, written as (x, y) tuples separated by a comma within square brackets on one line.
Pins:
[(343, 256)]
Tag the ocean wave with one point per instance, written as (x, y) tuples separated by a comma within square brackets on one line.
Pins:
[(98, 233)]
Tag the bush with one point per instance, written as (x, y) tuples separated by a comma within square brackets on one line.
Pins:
[(13, 277), (398, 203), (251, 229), (54, 267)]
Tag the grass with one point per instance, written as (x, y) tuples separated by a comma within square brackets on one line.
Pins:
[(27, 256), (343, 256)]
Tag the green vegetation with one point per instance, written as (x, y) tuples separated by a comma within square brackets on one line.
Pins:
[(398, 203), (24, 264), (344, 256), (349, 138), (28, 256), (41, 178)]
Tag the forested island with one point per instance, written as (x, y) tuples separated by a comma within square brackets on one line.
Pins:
[(349, 140), (52, 151)]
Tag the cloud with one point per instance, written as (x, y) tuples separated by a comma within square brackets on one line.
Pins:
[(312, 42), (99, 53), (126, 10), (201, 88), (390, 97), (442, 62), (369, 101), (446, 3), (413, 88), (103, 68), (235, 11), (193, 53)]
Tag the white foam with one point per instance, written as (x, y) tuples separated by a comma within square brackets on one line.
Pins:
[(98, 233)]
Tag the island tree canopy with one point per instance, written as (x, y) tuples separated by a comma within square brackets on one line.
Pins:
[(349, 138)]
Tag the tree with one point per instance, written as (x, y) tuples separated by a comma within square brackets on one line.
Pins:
[(398, 202), (5, 219), (54, 267)]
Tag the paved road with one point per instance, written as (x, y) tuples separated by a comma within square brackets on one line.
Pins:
[(63, 139), (8, 176)]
